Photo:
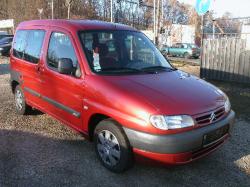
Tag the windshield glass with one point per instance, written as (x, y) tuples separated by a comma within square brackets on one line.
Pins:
[(121, 52), (6, 40)]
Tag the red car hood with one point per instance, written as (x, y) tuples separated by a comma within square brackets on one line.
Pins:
[(171, 92)]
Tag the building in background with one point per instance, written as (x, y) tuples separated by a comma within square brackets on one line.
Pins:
[(179, 34), (7, 26), (149, 34), (176, 33)]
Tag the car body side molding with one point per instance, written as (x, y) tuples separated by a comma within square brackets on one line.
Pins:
[(53, 102)]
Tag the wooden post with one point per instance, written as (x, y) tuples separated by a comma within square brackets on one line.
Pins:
[(111, 11), (202, 48), (154, 21)]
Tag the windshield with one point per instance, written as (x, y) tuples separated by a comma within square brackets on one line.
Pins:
[(122, 52), (6, 40)]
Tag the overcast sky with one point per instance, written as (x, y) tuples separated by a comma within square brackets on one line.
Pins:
[(239, 8)]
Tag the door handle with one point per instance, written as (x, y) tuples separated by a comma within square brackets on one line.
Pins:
[(39, 69)]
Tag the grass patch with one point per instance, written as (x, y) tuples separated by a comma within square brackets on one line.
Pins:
[(178, 64)]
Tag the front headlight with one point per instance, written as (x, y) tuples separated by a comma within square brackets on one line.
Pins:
[(227, 105), (171, 122)]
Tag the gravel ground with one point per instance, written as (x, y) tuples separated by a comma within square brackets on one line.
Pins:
[(36, 150), (190, 60)]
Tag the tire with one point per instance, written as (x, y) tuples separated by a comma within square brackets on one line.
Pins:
[(21, 106), (112, 146), (186, 56)]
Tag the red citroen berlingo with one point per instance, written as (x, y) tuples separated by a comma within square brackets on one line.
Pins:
[(109, 82)]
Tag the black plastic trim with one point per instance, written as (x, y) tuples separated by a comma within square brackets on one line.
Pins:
[(175, 143), (32, 92), (63, 107), (53, 102)]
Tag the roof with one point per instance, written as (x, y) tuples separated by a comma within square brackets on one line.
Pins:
[(77, 24)]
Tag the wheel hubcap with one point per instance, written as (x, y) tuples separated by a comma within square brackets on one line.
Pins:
[(19, 100), (108, 148)]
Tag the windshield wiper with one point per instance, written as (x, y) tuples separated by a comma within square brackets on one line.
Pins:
[(158, 68), (150, 70), (121, 69)]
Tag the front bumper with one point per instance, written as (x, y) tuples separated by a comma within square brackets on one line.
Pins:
[(178, 148)]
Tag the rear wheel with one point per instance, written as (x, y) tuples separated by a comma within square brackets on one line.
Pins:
[(20, 103), (186, 56), (112, 146)]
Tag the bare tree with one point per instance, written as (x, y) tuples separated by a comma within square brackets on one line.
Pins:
[(125, 11), (68, 4), (40, 11)]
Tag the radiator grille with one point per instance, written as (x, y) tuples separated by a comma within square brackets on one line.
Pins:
[(210, 117)]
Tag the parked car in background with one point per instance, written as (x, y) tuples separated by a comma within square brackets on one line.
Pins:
[(185, 50), (4, 35), (5, 45), (109, 82)]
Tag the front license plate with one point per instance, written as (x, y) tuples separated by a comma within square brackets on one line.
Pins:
[(215, 135)]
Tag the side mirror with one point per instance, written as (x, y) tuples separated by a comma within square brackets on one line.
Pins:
[(65, 66)]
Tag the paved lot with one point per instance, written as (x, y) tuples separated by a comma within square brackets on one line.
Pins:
[(36, 150)]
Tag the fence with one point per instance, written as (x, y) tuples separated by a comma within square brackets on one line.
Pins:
[(226, 59)]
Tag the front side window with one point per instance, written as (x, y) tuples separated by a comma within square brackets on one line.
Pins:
[(121, 52), (60, 47), (178, 46)]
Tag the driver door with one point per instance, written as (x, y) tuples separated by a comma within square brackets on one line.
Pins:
[(63, 93)]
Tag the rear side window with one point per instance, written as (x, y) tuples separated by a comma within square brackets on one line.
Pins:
[(28, 45), (34, 46), (60, 46), (20, 44)]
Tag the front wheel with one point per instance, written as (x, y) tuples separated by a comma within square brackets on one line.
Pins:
[(20, 103), (112, 146)]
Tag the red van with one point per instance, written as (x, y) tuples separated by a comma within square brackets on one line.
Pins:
[(109, 82)]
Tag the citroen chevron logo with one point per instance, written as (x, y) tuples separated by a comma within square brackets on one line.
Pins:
[(212, 117)]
